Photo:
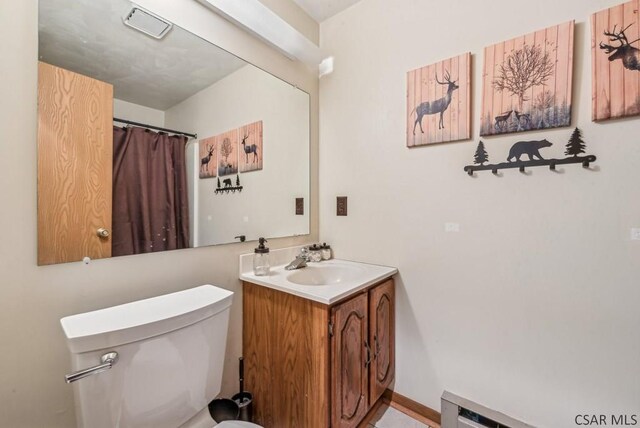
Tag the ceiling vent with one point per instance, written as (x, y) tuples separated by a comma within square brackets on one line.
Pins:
[(148, 23)]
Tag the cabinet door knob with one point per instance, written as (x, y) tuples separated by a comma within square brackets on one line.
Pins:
[(103, 233)]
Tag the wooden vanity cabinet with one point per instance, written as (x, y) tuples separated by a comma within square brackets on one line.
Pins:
[(313, 365)]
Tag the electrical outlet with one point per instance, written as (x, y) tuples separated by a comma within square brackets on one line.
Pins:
[(341, 205), (635, 234), (299, 206), (452, 227)]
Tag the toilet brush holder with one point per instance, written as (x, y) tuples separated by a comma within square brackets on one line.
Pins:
[(244, 400)]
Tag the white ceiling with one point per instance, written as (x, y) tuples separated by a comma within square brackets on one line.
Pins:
[(323, 9), (88, 37)]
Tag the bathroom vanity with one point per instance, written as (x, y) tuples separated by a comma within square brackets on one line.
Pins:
[(318, 342)]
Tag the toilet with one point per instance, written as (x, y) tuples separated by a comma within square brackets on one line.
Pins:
[(151, 363)]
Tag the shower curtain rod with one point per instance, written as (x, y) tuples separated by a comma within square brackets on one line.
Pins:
[(157, 128)]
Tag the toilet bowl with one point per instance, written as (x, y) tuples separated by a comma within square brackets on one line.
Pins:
[(236, 424), (154, 362)]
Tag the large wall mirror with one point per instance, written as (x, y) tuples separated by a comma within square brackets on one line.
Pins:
[(152, 139)]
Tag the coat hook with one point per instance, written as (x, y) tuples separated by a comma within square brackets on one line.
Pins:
[(552, 166), (522, 169), (470, 172), (494, 171), (585, 164)]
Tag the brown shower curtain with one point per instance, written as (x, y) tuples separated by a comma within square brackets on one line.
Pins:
[(150, 201)]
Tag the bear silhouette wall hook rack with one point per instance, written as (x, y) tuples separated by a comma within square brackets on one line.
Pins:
[(521, 150), (228, 186)]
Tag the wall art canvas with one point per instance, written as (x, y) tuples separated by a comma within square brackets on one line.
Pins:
[(615, 59), (439, 102), (250, 146), (527, 82), (208, 163), (227, 151)]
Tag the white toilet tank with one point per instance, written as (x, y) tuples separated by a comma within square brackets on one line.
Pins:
[(170, 357)]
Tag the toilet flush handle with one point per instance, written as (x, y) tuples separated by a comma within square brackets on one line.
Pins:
[(107, 360)]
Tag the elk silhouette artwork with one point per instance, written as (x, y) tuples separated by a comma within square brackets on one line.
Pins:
[(629, 55), (438, 106), (227, 185), (574, 148), (615, 62), (439, 102)]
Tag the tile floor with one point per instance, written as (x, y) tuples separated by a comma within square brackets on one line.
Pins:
[(388, 417)]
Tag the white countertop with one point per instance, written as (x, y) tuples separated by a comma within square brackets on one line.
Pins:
[(365, 275)]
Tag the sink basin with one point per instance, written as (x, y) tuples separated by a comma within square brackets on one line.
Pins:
[(326, 282), (327, 274)]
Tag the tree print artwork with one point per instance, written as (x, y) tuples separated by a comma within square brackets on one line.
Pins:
[(227, 147), (524, 69), (527, 82)]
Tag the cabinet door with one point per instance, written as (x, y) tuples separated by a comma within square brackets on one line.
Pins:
[(75, 162), (351, 355), (382, 337)]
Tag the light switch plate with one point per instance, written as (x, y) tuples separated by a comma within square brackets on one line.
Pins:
[(635, 234)]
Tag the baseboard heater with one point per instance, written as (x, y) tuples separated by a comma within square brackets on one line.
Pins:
[(458, 412)]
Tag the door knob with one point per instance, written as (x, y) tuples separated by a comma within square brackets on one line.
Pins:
[(103, 233)]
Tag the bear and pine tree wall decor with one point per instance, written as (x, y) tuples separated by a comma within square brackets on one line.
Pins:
[(574, 148)]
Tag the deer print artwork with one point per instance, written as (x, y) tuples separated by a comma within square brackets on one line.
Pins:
[(615, 50), (438, 102), (251, 146), (208, 167)]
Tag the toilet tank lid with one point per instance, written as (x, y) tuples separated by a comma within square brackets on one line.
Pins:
[(143, 319)]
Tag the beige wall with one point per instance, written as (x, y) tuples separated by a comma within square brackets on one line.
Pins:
[(32, 299), (137, 113), (532, 308)]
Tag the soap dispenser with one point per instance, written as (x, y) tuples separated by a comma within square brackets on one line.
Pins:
[(261, 259)]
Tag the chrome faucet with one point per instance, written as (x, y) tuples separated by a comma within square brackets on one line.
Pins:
[(300, 261)]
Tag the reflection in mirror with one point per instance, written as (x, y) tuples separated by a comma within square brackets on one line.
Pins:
[(120, 169)]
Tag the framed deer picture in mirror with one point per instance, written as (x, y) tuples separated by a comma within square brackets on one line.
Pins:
[(527, 82), (250, 146), (439, 102), (208, 163), (615, 58)]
